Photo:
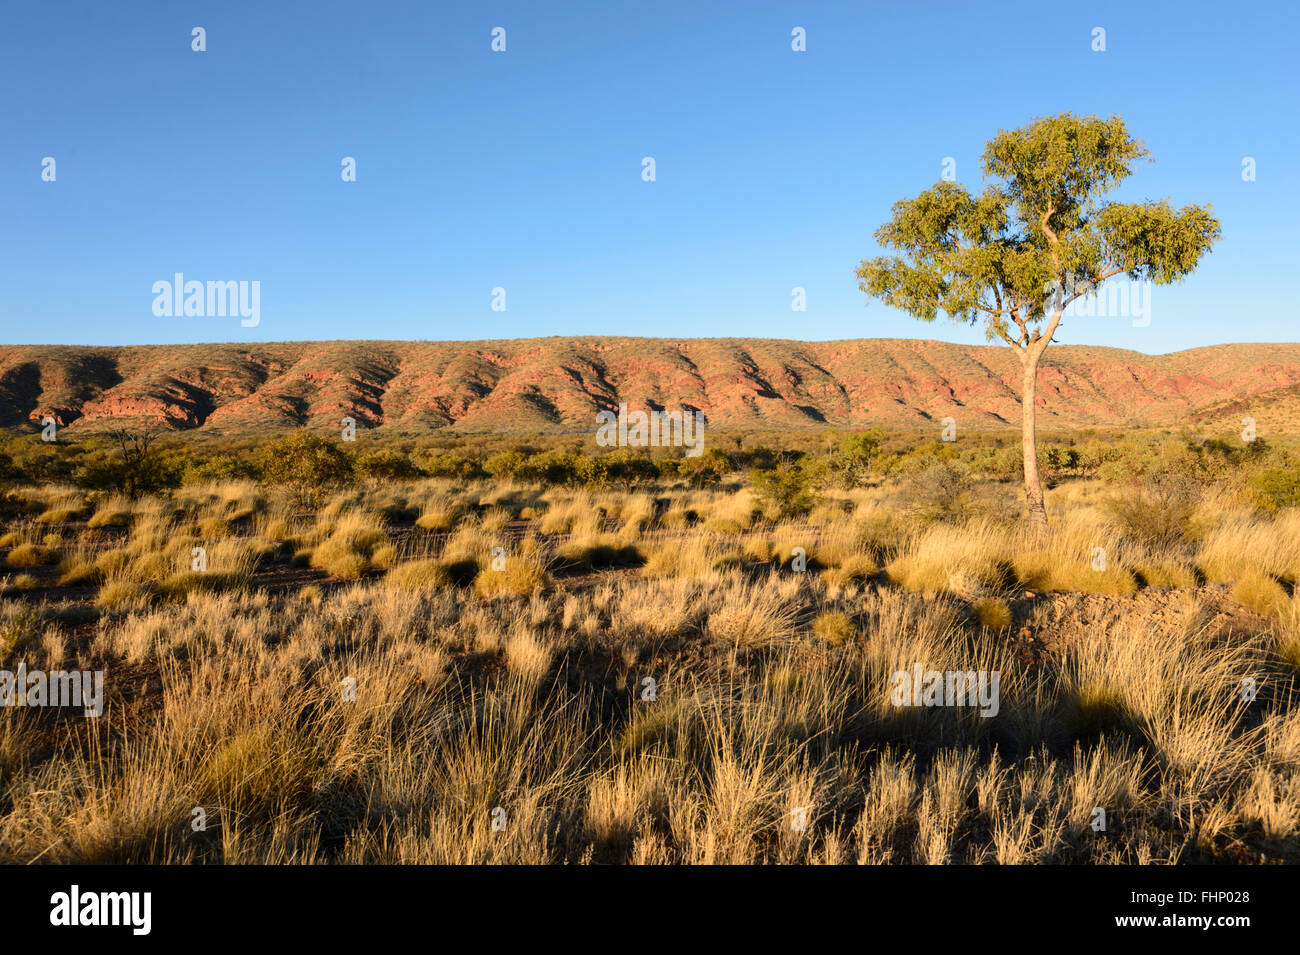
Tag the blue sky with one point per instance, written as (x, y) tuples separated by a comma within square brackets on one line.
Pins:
[(522, 169)]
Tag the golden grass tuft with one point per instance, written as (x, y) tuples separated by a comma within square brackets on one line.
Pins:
[(32, 555), (992, 613), (834, 627), (121, 594), (419, 575), (852, 569), (520, 577), (1261, 593), (114, 511)]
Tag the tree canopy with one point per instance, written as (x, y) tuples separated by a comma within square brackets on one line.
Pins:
[(1020, 250)]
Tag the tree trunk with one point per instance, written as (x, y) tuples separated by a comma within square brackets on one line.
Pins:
[(1029, 442)]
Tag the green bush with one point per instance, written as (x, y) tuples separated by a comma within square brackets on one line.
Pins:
[(787, 491), (852, 463), (554, 467), (445, 464), (217, 467), (1275, 488), (625, 467), (141, 471), (386, 464), (306, 464), (706, 469), (505, 464)]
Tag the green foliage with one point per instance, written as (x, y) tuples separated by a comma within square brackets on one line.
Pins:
[(40, 462), (624, 467), (505, 464), (132, 463), (705, 470), (787, 491), (554, 467), (220, 466), (307, 464), (993, 256), (1276, 488), (445, 464), (852, 464), (386, 464)]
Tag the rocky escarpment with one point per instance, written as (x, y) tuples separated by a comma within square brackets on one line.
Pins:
[(550, 384)]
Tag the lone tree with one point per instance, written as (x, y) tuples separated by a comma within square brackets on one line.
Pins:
[(1015, 255)]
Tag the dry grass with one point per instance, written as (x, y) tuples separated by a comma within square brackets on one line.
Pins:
[(491, 699), (349, 551)]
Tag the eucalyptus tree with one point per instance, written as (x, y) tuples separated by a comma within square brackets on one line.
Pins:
[(1017, 253)]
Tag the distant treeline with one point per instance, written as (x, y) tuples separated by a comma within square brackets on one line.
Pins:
[(783, 463)]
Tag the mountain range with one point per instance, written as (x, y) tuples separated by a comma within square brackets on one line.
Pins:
[(559, 384)]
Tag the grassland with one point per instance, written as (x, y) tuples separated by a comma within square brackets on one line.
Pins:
[(533, 660)]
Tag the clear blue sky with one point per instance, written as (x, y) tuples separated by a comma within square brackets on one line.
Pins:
[(523, 169)]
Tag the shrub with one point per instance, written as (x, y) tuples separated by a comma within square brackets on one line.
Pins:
[(625, 467), (218, 467), (1158, 512), (852, 464), (133, 465), (386, 464), (555, 467), (786, 492), (447, 465), (504, 464), (704, 470), (939, 493), (306, 464), (1275, 488)]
